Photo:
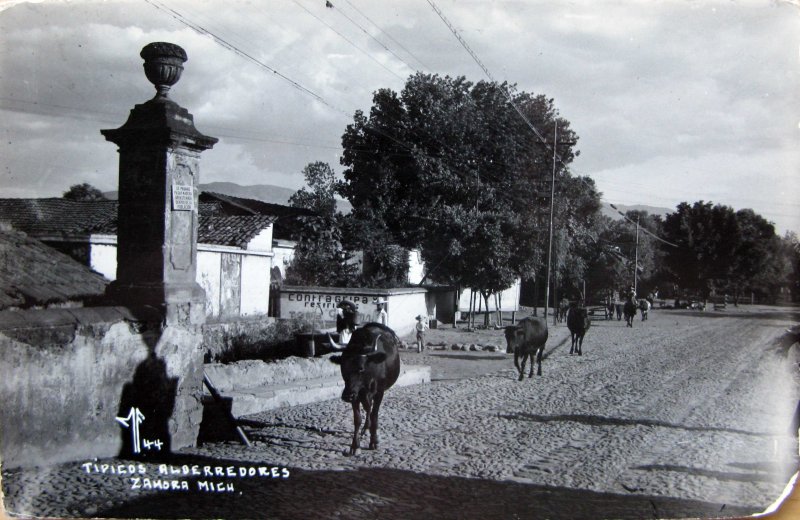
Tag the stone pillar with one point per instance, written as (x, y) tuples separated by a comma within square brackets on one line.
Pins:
[(159, 151)]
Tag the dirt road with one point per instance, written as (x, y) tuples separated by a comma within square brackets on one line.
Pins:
[(685, 415)]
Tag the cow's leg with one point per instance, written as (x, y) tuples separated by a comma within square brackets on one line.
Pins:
[(538, 360), (522, 367), (357, 425), (366, 402), (373, 423), (580, 345), (530, 374), (572, 343)]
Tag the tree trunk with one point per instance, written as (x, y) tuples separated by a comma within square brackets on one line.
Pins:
[(471, 307), (486, 295)]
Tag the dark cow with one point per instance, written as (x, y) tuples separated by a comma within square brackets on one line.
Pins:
[(527, 338), (370, 365), (644, 307), (563, 308), (578, 323), (630, 311)]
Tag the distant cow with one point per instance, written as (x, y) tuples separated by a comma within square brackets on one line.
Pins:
[(370, 365), (526, 339), (578, 323), (630, 311), (644, 307)]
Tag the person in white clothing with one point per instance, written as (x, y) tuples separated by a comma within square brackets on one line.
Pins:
[(383, 317), (421, 327)]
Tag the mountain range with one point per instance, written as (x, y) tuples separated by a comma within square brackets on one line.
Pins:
[(280, 195)]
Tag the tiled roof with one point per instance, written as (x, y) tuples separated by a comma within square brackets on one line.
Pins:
[(55, 216), (61, 217), (287, 225), (32, 273), (235, 231), (252, 206)]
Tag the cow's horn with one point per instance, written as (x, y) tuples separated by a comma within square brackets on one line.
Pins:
[(335, 345), (375, 347)]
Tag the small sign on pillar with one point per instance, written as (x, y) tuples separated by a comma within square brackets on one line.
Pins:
[(182, 197)]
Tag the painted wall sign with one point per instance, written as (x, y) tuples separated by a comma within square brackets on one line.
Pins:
[(313, 306), (182, 197)]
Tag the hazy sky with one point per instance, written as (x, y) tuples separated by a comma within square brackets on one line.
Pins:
[(673, 100)]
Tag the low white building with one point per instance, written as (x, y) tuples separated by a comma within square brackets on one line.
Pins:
[(234, 253)]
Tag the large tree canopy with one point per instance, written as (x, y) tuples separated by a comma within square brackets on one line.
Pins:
[(450, 167), (722, 250)]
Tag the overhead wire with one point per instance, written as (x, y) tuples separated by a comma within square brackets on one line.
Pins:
[(342, 13), (388, 35), (236, 50), (233, 48), (368, 55)]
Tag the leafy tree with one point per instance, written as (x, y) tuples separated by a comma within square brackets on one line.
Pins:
[(760, 264), (320, 257), (577, 224), (84, 191), (724, 251), (449, 166), (791, 251), (320, 198), (707, 237)]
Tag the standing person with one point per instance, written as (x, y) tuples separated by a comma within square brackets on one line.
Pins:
[(420, 327), (383, 317)]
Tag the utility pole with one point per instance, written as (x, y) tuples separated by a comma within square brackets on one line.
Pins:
[(550, 237), (636, 257)]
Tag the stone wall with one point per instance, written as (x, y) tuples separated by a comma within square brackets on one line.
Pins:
[(67, 374), (227, 340)]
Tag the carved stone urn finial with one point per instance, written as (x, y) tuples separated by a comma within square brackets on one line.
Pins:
[(163, 64)]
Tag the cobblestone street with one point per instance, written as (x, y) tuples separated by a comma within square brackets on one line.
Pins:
[(685, 415)]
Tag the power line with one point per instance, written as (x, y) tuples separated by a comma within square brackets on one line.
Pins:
[(485, 69), (329, 4), (345, 38), (224, 43), (388, 35), (644, 229), (516, 108)]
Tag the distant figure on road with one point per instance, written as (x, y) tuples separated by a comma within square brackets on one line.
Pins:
[(420, 327)]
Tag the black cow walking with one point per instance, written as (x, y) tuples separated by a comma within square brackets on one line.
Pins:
[(370, 365), (527, 339), (578, 323), (630, 311)]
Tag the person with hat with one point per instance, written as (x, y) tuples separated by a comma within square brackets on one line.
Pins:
[(383, 317), (345, 320), (421, 327)]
